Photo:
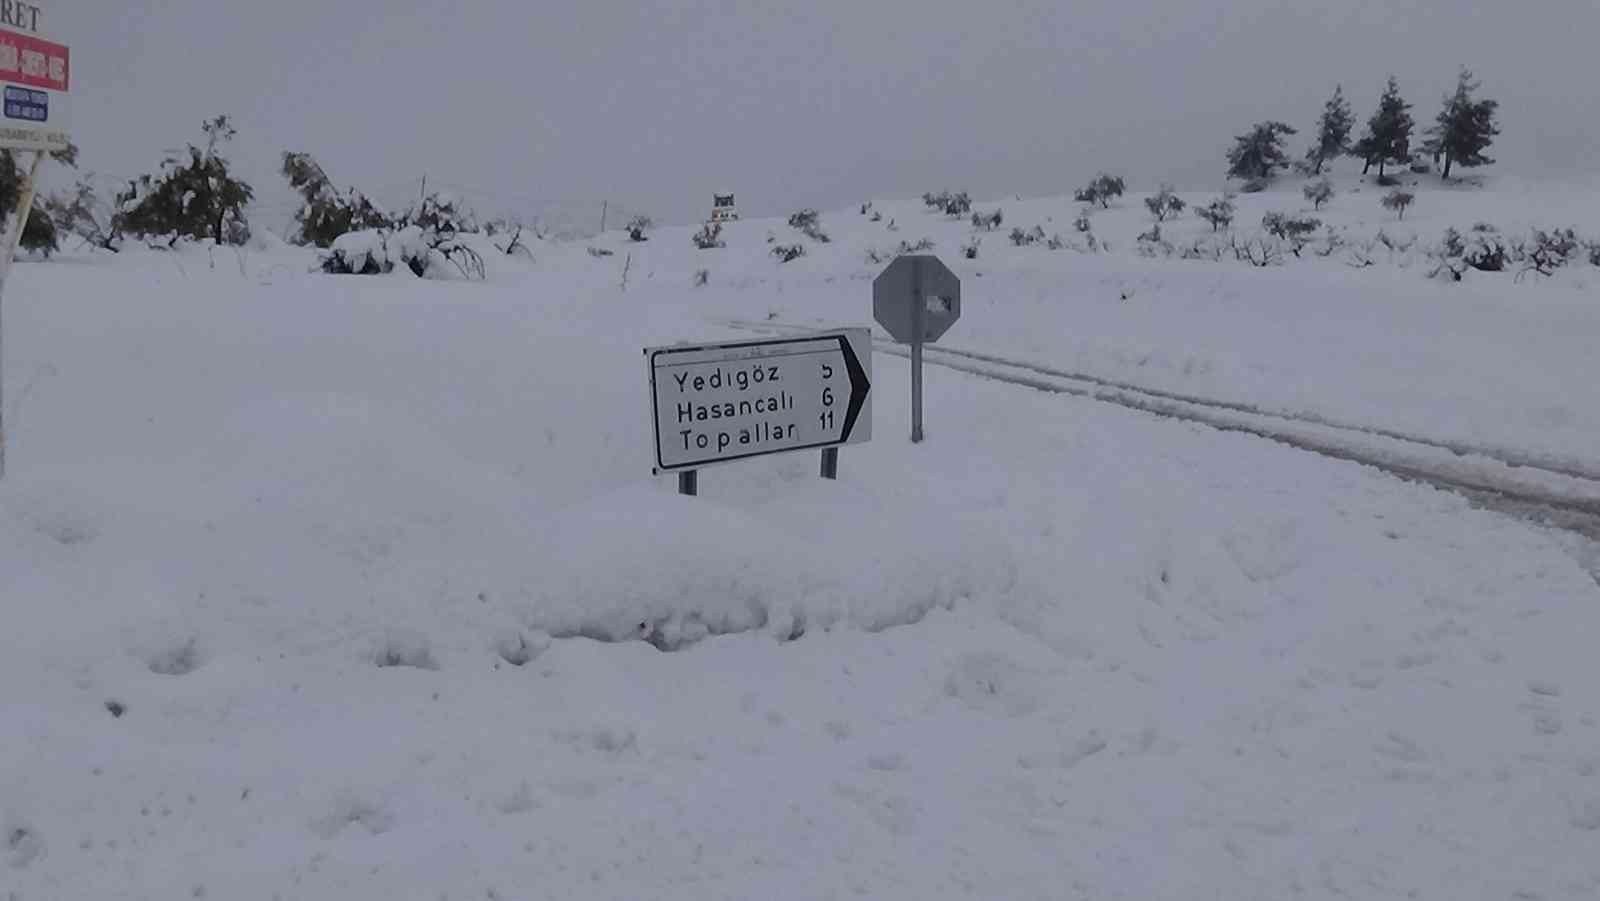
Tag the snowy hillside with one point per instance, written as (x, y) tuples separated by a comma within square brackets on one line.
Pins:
[(360, 588)]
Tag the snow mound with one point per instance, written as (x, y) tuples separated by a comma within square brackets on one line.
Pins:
[(645, 565)]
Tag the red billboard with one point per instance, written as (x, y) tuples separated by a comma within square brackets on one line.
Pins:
[(34, 62)]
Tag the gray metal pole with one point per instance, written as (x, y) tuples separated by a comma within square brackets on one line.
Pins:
[(689, 483), (919, 315), (830, 463), (8, 255), (916, 393)]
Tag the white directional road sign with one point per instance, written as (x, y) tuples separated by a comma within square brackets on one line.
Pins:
[(724, 402), (35, 78)]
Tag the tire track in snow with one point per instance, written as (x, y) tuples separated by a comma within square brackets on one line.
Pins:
[(1553, 493)]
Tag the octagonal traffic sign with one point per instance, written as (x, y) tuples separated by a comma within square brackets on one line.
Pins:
[(916, 300), (910, 283)]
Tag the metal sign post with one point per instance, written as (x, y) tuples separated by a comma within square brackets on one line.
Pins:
[(35, 77), (8, 256), (718, 403), (916, 300)]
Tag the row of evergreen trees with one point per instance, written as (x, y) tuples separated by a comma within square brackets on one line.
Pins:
[(194, 195), (1465, 127)]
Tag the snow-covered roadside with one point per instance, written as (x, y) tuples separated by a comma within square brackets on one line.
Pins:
[(282, 557), (1497, 361)]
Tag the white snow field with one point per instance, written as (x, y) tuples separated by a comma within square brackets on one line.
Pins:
[(360, 588)]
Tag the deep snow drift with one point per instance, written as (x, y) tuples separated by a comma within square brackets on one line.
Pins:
[(356, 588)]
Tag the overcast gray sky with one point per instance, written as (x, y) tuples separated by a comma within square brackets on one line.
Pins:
[(533, 104)]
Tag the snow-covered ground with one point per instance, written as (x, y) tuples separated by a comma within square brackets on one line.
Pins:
[(356, 588)]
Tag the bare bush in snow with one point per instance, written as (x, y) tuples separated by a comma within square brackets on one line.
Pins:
[(1165, 204), (1399, 202), (1318, 193), (1101, 190)]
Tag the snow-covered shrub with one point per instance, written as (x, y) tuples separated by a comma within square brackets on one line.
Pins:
[(510, 241), (381, 251), (1395, 245), (709, 237), (1027, 238), (809, 223), (638, 229), (1164, 204), (788, 253), (957, 204), (1101, 191), (988, 221), (1218, 213), (84, 214), (197, 198), (440, 213), (1152, 244), (1449, 257), (326, 212), (1318, 192), (1399, 201), (1332, 243), (1486, 250), (1082, 223), (1259, 251), (877, 257), (1296, 232), (701, 277), (1207, 249), (970, 249), (1548, 251)]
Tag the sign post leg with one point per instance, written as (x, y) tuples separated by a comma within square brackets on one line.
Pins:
[(8, 255), (830, 463), (919, 330), (916, 393), (689, 483)]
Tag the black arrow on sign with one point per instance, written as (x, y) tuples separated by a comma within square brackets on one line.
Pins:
[(859, 387)]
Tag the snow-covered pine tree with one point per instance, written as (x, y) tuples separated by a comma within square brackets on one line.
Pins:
[(198, 198), (1259, 155), (1333, 131), (1318, 192), (327, 212), (1465, 127), (1388, 137)]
